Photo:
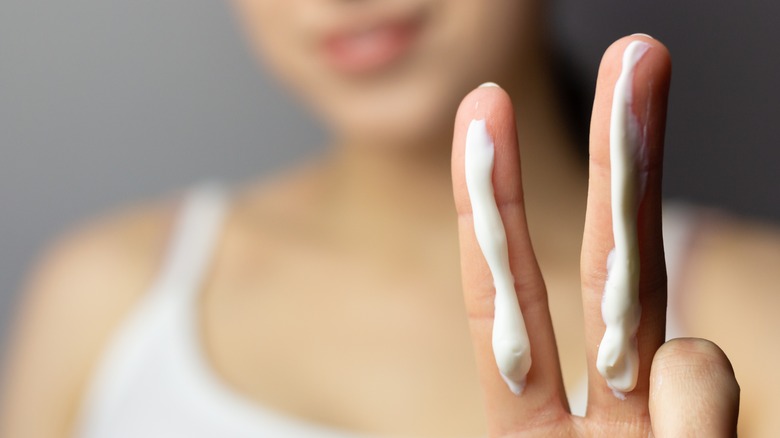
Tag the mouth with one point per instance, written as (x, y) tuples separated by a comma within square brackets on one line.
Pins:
[(368, 49)]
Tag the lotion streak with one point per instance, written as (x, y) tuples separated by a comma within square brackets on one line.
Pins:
[(618, 358), (510, 339)]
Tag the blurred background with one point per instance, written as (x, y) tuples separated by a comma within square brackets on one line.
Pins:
[(105, 102)]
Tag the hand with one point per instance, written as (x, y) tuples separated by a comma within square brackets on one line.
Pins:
[(685, 387)]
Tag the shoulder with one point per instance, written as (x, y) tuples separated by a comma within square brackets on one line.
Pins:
[(80, 290), (738, 254), (733, 284), (106, 257), (125, 242), (733, 276)]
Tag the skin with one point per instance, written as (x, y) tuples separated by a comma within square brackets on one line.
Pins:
[(375, 223), (542, 410), (419, 95)]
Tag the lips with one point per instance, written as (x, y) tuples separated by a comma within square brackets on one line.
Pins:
[(372, 48)]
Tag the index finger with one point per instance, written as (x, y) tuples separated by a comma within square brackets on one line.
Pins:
[(490, 109)]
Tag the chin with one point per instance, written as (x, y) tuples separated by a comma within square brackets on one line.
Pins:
[(391, 72), (402, 119), (409, 109)]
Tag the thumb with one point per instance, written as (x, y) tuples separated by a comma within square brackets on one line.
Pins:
[(693, 390)]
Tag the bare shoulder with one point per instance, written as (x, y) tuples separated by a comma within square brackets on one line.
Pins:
[(80, 290), (733, 299), (738, 259)]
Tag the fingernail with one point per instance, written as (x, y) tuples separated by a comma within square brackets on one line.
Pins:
[(489, 84), (644, 35)]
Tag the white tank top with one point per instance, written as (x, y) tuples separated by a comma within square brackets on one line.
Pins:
[(154, 380)]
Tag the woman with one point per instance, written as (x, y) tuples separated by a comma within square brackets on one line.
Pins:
[(325, 301)]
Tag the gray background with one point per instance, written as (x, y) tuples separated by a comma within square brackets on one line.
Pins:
[(105, 101)]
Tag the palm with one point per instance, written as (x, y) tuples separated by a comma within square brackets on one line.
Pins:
[(690, 389)]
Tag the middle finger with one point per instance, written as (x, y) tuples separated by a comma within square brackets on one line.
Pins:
[(647, 82)]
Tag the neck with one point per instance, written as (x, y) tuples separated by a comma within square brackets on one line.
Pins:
[(408, 183)]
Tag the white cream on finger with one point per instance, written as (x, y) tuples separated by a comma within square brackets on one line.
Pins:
[(618, 357), (510, 339)]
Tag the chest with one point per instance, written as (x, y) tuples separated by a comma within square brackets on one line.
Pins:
[(344, 342)]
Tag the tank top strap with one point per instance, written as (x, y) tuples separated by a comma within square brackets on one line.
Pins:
[(195, 234), (681, 223)]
